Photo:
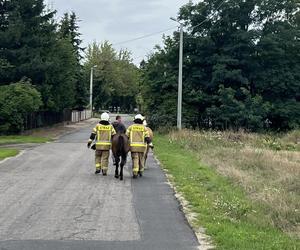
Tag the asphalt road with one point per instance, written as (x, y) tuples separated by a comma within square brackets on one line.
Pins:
[(51, 199)]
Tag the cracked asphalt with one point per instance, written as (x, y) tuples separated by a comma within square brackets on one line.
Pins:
[(51, 199)]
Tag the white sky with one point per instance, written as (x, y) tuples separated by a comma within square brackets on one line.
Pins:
[(122, 20)]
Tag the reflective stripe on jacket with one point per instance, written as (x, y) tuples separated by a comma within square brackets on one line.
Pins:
[(137, 134), (103, 136)]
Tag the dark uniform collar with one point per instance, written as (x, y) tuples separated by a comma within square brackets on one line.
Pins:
[(104, 122)]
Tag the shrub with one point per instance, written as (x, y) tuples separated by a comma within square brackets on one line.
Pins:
[(16, 101)]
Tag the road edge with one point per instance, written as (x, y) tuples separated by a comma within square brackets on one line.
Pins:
[(205, 241), (21, 152)]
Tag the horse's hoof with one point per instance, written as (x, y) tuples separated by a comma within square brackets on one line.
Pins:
[(116, 176), (121, 178)]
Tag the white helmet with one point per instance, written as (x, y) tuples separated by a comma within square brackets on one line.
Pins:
[(104, 117), (145, 122), (138, 117)]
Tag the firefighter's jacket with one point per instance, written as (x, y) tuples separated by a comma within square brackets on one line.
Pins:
[(102, 135), (138, 135)]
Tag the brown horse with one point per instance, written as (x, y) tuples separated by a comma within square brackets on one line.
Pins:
[(120, 148)]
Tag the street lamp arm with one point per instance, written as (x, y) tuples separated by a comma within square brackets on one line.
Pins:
[(175, 20)]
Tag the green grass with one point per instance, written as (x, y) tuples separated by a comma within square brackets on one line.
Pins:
[(4, 153), (231, 219), (16, 139)]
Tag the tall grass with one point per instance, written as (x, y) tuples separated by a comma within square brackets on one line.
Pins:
[(267, 167)]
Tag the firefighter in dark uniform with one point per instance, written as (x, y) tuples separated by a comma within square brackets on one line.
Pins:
[(119, 126)]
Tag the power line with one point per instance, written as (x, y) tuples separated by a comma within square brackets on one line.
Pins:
[(145, 36), (161, 31), (209, 18)]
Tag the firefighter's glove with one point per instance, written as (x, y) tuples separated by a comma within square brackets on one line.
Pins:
[(151, 145), (89, 144)]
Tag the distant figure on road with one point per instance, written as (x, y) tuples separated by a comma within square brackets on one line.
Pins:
[(138, 138), (119, 126), (102, 133)]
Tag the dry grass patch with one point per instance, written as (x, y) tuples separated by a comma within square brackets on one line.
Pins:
[(266, 166)]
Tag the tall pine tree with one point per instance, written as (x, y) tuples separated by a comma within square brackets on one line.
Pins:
[(69, 30)]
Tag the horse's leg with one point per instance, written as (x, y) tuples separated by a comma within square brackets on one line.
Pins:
[(117, 167), (123, 162)]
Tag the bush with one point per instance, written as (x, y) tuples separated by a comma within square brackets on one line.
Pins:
[(16, 101)]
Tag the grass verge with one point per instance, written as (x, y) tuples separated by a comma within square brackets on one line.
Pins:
[(17, 139), (5, 152), (230, 217)]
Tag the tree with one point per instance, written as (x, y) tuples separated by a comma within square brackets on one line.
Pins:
[(26, 36), (16, 101), (69, 30), (115, 78), (278, 78), (239, 68), (32, 47)]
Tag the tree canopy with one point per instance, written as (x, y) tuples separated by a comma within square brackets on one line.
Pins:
[(241, 67), (116, 78), (34, 46)]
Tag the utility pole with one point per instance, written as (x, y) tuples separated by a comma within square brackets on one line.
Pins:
[(91, 88), (179, 104), (179, 109)]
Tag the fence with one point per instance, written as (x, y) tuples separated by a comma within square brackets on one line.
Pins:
[(49, 118), (78, 116)]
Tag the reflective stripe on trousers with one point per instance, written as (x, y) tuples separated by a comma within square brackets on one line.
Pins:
[(101, 159), (137, 162)]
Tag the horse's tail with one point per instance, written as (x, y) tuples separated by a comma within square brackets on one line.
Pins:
[(121, 144)]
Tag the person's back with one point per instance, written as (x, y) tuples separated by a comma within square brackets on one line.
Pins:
[(119, 126), (102, 134), (138, 138)]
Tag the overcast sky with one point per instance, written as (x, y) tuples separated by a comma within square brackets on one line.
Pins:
[(122, 20)]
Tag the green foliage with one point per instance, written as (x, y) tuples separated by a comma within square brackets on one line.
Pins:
[(116, 78), (69, 31), (34, 46), (241, 67), (16, 101), (17, 139), (27, 34)]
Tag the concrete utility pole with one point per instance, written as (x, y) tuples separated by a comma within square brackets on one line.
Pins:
[(91, 88), (179, 105)]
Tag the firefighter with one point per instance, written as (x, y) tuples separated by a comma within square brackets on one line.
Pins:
[(138, 138), (102, 134), (150, 145), (150, 132)]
